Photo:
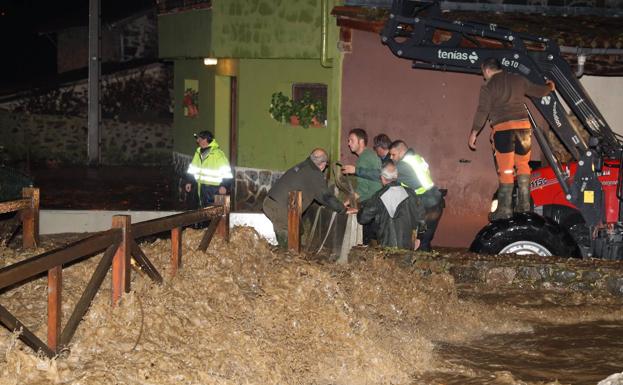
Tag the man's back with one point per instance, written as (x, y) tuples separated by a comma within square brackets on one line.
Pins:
[(398, 211), (505, 94)]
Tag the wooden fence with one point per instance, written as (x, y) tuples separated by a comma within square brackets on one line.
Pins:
[(28, 210), (119, 245)]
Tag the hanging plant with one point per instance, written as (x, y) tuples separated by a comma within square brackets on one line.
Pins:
[(306, 111)]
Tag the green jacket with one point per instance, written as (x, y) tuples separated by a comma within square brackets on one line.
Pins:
[(366, 187), (213, 169)]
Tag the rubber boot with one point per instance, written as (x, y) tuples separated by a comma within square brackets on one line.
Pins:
[(523, 194), (505, 197)]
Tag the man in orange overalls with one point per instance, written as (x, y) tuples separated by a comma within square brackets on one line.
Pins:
[(502, 102)]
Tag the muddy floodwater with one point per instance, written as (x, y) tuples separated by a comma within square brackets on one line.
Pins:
[(246, 313), (580, 353)]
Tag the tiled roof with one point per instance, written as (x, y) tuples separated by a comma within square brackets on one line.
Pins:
[(601, 38)]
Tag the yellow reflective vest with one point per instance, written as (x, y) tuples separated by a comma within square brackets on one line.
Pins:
[(422, 173), (212, 169)]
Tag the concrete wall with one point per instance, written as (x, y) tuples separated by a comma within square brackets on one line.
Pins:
[(607, 94), (54, 140), (432, 111)]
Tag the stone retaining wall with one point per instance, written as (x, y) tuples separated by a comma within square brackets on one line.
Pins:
[(511, 270), (55, 139)]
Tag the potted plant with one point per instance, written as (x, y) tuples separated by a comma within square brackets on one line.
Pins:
[(305, 111)]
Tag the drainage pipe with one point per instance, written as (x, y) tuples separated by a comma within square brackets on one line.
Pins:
[(325, 60), (584, 52)]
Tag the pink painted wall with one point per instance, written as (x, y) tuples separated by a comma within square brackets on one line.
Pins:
[(432, 111)]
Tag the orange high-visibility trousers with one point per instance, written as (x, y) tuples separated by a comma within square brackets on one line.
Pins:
[(512, 145)]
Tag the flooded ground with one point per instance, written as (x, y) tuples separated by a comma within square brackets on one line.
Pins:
[(583, 353), (109, 188), (247, 313)]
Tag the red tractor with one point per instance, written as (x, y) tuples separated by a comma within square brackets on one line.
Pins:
[(577, 205)]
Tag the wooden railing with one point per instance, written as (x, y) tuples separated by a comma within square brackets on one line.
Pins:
[(28, 210), (119, 245)]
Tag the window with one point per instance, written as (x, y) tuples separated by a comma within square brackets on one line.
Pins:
[(317, 92)]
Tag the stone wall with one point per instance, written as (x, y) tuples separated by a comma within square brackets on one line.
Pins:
[(141, 93), (521, 271), (54, 139)]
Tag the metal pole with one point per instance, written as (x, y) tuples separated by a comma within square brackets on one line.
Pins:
[(93, 139)]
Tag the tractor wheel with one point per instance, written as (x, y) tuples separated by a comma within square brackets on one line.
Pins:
[(526, 233)]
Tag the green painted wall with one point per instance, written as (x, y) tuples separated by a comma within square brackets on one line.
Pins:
[(265, 143), (185, 34), (244, 29), (222, 112), (266, 28), (278, 43), (184, 126)]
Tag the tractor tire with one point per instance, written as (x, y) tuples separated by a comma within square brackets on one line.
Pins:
[(523, 234)]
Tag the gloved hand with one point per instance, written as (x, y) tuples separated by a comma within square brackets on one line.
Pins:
[(551, 85)]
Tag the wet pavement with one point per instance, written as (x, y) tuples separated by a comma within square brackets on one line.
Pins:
[(109, 188)]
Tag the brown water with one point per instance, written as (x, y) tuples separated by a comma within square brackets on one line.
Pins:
[(570, 354)]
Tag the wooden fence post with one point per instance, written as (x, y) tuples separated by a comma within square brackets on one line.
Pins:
[(121, 260), (223, 226), (30, 218), (295, 204), (55, 288), (176, 249)]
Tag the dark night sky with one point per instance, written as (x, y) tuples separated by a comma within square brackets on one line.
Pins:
[(28, 55)]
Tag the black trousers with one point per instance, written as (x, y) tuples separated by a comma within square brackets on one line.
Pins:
[(433, 215), (206, 197)]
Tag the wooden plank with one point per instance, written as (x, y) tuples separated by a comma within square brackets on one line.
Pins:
[(176, 250), (17, 205), (55, 288), (160, 225), (41, 263), (145, 264), (89, 293), (28, 337), (222, 228), (209, 233), (295, 205), (30, 218), (121, 260)]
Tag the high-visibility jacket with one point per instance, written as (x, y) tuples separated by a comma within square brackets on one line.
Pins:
[(423, 181), (413, 172), (213, 169)]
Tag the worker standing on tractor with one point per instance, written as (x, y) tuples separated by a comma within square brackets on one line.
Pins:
[(209, 168), (502, 102)]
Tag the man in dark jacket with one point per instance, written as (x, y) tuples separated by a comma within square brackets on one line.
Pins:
[(502, 101), (396, 209), (307, 177)]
